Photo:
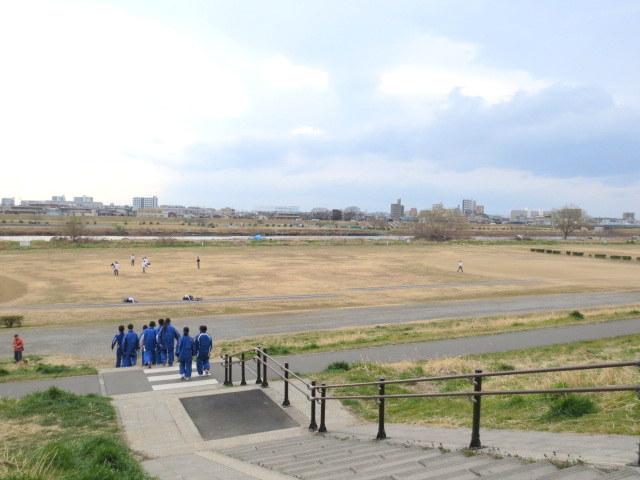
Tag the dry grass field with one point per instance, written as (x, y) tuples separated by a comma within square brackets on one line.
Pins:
[(84, 276)]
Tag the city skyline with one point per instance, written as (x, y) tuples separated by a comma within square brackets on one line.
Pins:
[(324, 103)]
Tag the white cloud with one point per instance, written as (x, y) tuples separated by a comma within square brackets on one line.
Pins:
[(282, 73), (307, 131), (434, 67)]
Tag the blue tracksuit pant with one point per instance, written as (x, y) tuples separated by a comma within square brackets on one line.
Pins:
[(185, 368), (118, 359), (171, 354), (202, 364), (148, 357)]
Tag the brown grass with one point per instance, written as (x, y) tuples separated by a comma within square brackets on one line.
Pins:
[(84, 276)]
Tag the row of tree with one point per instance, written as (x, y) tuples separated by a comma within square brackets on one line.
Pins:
[(442, 225)]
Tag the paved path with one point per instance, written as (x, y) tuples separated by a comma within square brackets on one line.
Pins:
[(137, 380), (95, 340), (81, 385), (315, 362)]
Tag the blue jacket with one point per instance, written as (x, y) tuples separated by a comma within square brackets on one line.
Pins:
[(130, 343), (204, 344), (148, 339), (185, 349), (118, 338), (166, 337)]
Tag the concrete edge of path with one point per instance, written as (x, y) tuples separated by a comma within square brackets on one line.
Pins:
[(243, 467)]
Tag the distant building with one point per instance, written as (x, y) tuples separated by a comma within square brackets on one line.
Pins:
[(83, 199), (437, 207), (58, 198), (397, 210), (468, 206), (479, 210), (413, 212), (629, 217), (145, 202), (8, 202), (520, 216)]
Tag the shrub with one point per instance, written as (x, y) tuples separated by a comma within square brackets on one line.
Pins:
[(568, 252), (277, 349), (615, 257), (577, 315), (570, 406), (578, 254), (626, 257), (501, 367), (557, 252), (339, 366), (600, 255), (11, 321), (4, 372), (51, 369)]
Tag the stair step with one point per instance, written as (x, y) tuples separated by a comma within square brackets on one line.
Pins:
[(455, 468), (337, 456), (577, 472), (624, 474), (532, 471), (392, 466)]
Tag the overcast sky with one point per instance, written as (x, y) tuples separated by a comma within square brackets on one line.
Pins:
[(323, 103)]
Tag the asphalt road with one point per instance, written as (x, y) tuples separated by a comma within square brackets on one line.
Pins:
[(95, 340)]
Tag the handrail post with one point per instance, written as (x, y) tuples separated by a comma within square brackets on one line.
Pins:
[(381, 433), (243, 380), (476, 399), (265, 382), (313, 426), (323, 394), (286, 402), (226, 369), (258, 366), (231, 370)]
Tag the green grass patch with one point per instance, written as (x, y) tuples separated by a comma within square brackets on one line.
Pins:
[(56, 435), (37, 367), (611, 412), (577, 315), (570, 406), (336, 366), (369, 336)]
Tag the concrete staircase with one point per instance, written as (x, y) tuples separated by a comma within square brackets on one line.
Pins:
[(313, 456)]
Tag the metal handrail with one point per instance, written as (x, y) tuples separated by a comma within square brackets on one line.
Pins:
[(484, 393), (291, 372), (594, 366)]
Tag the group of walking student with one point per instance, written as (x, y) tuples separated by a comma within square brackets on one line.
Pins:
[(160, 345)]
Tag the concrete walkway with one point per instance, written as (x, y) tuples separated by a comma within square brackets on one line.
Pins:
[(95, 341), (81, 385), (315, 362)]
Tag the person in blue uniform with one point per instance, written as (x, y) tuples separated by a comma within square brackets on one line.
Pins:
[(118, 338), (203, 346), (185, 351), (161, 353), (148, 345), (130, 346), (169, 337)]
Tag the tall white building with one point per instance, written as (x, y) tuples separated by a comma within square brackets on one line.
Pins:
[(468, 206), (145, 202), (8, 202)]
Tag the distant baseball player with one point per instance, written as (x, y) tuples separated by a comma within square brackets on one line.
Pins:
[(198, 262), (132, 258), (460, 267)]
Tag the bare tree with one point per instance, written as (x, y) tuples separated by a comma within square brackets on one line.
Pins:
[(74, 229), (440, 225), (568, 219)]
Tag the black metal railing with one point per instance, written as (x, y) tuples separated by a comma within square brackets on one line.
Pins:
[(317, 393), (477, 393)]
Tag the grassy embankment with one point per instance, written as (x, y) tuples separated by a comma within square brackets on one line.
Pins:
[(613, 413), (361, 337), (38, 368), (55, 435)]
